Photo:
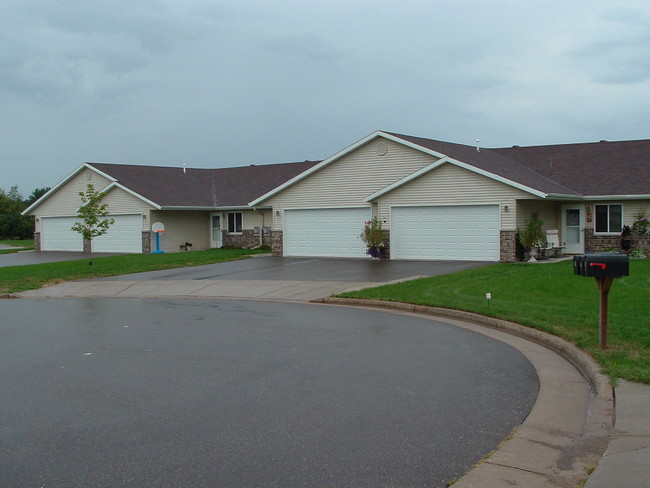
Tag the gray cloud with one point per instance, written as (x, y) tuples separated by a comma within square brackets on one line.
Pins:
[(224, 82)]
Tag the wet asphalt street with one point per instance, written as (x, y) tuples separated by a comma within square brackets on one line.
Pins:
[(210, 393)]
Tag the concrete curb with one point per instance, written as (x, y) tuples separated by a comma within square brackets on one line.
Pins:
[(599, 423)]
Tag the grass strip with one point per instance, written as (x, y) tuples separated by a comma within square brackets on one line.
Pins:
[(17, 245), (14, 279), (551, 298)]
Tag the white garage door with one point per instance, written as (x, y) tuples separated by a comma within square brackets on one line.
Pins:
[(325, 232), (463, 232), (125, 235), (57, 236)]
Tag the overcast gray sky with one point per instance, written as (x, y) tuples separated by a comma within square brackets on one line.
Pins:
[(214, 83)]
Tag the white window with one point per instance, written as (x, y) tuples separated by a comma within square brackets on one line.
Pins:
[(234, 222), (609, 219)]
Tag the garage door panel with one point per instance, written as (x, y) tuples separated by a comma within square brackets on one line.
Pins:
[(125, 235), (446, 232), (57, 234), (325, 232)]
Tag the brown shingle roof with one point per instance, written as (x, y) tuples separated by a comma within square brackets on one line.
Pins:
[(599, 168), (602, 168), (223, 187), (492, 162)]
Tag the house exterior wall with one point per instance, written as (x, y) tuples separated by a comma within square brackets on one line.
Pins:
[(122, 202), (349, 180), (604, 242), (451, 185), (182, 226), (630, 209), (549, 211), (253, 223), (65, 201)]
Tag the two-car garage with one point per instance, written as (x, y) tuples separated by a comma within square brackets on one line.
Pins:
[(450, 232), (125, 235), (325, 232), (453, 232)]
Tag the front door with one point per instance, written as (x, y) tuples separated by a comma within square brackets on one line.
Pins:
[(215, 230), (573, 227)]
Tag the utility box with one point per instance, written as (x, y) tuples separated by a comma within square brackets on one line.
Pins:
[(605, 265)]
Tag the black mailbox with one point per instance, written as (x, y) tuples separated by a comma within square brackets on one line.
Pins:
[(610, 265)]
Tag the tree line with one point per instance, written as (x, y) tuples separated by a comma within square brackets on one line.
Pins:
[(13, 225)]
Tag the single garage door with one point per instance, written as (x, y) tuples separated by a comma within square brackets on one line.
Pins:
[(463, 232), (56, 234), (325, 232), (125, 235)]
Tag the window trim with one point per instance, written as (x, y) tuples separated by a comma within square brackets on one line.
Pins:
[(241, 222), (608, 232)]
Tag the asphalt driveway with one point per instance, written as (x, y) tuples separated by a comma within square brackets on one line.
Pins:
[(162, 393), (310, 269), (261, 277)]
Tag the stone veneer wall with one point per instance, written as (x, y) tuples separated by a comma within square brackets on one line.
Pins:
[(277, 247), (146, 242), (642, 243), (247, 239), (37, 241), (601, 243), (508, 240), (384, 252), (88, 245)]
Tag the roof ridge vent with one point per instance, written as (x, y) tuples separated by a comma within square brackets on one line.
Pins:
[(603, 140)]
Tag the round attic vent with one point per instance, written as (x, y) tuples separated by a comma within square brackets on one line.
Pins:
[(382, 148), (89, 175)]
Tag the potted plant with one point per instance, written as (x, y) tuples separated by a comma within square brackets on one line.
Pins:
[(532, 235), (373, 237)]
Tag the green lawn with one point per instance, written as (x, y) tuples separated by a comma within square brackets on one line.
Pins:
[(20, 278), (24, 245), (551, 298)]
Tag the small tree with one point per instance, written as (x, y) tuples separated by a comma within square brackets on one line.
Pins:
[(92, 212)]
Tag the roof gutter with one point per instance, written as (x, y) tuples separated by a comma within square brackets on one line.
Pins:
[(591, 198), (197, 207), (617, 197)]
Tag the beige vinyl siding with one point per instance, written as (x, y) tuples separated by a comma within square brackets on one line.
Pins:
[(449, 185), (66, 200), (180, 227), (122, 202), (630, 210), (260, 218), (549, 212), (348, 181)]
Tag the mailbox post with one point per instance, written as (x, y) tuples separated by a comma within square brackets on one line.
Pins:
[(604, 267)]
